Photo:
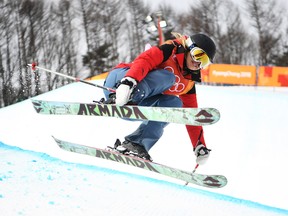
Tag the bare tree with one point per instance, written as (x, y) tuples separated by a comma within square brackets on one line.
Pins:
[(30, 16), (67, 51), (266, 19), (204, 17), (235, 45), (31, 32), (98, 18), (84, 11), (48, 48), (136, 13), (113, 19), (280, 58), (8, 94)]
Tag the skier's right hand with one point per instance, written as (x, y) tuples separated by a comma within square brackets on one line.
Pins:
[(124, 90), (202, 154)]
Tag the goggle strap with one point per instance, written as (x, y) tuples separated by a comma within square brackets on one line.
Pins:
[(190, 44)]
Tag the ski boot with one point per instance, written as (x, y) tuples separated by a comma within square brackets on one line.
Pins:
[(133, 149)]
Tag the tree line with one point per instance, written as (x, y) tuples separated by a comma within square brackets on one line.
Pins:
[(82, 38)]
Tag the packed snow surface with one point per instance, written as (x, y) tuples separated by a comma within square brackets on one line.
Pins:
[(249, 146)]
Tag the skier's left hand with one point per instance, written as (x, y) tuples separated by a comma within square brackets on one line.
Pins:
[(124, 90)]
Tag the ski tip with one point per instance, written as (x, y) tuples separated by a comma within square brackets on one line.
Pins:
[(207, 116), (55, 139)]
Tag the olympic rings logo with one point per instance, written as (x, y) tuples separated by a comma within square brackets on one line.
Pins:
[(178, 86)]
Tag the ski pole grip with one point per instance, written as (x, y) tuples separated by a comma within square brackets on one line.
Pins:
[(33, 66)]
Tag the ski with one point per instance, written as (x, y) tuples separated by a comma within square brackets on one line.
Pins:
[(210, 181), (187, 116)]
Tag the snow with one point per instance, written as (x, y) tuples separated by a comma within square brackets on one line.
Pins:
[(249, 147)]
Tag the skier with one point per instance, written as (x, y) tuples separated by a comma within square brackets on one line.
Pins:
[(163, 76)]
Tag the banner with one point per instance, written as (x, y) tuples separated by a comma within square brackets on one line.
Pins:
[(232, 74), (205, 74), (273, 76)]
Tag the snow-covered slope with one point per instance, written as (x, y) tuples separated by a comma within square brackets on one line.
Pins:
[(249, 147)]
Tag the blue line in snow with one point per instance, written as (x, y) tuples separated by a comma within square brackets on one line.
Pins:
[(213, 195)]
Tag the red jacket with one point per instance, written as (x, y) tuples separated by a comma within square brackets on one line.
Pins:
[(170, 56)]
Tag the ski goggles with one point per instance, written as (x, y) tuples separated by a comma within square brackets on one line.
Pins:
[(199, 55)]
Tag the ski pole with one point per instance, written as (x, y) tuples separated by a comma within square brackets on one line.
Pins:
[(34, 67), (197, 165)]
